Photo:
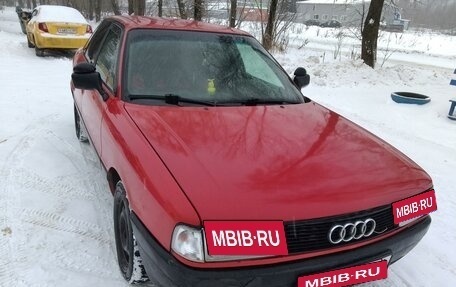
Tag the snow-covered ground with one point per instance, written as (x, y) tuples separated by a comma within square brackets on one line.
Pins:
[(55, 208)]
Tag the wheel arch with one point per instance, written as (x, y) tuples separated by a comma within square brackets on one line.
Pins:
[(113, 178), (33, 37)]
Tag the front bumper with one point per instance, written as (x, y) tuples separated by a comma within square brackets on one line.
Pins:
[(165, 271)]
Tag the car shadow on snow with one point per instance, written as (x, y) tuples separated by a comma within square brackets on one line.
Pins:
[(57, 54)]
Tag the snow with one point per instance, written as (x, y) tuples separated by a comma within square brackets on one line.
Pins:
[(54, 13), (55, 207)]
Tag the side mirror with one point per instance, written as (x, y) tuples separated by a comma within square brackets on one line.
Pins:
[(301, 78), (85, 77)]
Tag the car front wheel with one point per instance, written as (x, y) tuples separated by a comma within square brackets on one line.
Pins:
[(128, 257)]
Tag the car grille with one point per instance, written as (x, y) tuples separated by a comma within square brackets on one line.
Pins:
[(311, 235)]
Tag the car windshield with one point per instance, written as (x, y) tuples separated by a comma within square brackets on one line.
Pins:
[(201, 66)]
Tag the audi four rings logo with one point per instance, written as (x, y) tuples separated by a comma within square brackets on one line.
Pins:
[(350, 231)]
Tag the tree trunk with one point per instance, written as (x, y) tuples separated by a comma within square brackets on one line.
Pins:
[(268, 36), (131, 7), (370, 33), (160, 8), (34, 3), (29, 4), (90, 13), (198, 10), (115, 7), (97, 10), (140, 7), (20, 3), (182, 10), (233, 13)]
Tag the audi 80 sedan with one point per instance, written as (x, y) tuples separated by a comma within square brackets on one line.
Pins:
[(195, 122)]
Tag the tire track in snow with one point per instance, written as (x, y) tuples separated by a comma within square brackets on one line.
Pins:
[(9, 265), (94, 266), (61, 189), (88, 179), (63, 223), (15, 254), (92, 179)]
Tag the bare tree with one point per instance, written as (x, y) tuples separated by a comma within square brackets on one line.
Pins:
[(97, 10), (182, 9), (90, 12), (370, 33), (283, 22), (131, 7), (115, 7), (34, 3), (233, 12), (198, 9), (241, 15), (268, 35), (140, 7), (160, 8)]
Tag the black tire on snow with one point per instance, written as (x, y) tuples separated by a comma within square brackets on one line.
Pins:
[(77, 126), (39, 52), (128, 257), (30, 44)]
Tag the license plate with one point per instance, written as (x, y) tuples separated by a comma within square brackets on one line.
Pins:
[(373, 271), (66, 31), (414, 207)]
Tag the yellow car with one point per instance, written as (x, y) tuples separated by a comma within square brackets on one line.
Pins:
[(58, 28)]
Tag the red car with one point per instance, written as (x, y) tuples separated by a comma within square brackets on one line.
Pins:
[(195, 122)]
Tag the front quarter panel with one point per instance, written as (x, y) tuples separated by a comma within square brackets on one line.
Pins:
[(152, 191)]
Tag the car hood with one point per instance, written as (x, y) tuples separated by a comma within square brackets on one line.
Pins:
[(276, 162)]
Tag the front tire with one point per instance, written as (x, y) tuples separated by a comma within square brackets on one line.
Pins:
[(128, 257)]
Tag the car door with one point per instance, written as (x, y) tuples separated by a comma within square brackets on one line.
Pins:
[(93, 105), (89, 55)]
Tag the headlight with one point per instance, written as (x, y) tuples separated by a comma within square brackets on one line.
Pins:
[(188, 242)]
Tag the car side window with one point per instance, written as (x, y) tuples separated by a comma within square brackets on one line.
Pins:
[(106, 62), (95, 42)]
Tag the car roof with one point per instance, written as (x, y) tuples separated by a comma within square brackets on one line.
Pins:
[(146, 22), (58, 13)]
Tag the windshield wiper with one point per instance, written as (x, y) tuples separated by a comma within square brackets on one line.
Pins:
[(172, 99), (257, 101)]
